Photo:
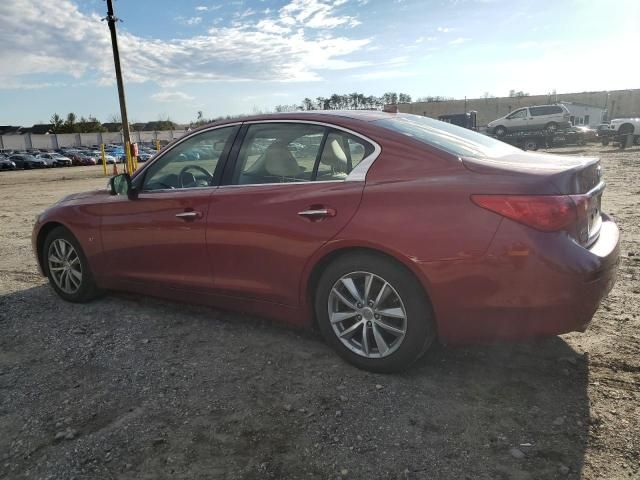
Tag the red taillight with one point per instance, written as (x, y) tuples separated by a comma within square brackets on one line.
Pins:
[(548, 213)]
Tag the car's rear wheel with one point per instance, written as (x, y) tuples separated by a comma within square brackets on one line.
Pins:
[(500, 131), (551, 127), (67, 267), (373, 312)]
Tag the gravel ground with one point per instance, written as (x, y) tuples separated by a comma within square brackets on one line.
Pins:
[(130, 387)]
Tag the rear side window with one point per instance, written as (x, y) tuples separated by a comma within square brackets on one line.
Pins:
[(545, 110), (445, 136), (297, 152)]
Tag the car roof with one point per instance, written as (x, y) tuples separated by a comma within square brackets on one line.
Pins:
[(313, 115)]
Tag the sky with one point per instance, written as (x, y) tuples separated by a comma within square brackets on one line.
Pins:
[(244, 56)]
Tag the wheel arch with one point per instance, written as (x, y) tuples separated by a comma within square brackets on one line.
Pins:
[(627, 128), (323, 259), (40, 239)]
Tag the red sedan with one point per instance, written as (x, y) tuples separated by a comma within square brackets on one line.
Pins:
[(388, 231)]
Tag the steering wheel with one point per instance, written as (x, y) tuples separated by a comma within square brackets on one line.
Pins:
[(192, 181)]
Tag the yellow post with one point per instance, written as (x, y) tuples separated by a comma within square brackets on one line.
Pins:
[(157, 145), (104, 159), (127, 153)]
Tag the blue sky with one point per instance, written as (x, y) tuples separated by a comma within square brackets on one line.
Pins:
[(241, 56)]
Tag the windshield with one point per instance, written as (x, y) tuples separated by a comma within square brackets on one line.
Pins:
[(445, 136)]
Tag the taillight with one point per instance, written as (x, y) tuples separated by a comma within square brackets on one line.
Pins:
[(548, 213)]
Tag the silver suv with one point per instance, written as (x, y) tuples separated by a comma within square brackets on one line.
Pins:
[(540, 117)]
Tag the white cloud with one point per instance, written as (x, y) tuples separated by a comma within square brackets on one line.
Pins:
[(444, 29), (205, 8), (375, 75), (190, 20), (55, 38), (169, 97), (315, 14), (458, 41)]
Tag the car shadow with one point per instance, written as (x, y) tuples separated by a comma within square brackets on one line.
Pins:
[(129, 386)]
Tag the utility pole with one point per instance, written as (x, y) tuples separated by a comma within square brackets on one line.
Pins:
[(111, 20)]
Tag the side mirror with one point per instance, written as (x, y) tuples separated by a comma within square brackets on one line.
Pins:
[(121, 185)]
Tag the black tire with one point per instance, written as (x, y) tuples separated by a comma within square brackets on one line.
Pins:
[(530, 145), (420, 325), (551, 127), (88, 289), (500, 131), (605, 142), (625, 129)]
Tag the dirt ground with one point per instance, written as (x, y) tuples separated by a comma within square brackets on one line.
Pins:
[(130, 387)]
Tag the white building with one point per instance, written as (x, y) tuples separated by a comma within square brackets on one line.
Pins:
[(588, 115)]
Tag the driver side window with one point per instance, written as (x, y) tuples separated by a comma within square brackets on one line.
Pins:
[(191, 163), (518, 114)]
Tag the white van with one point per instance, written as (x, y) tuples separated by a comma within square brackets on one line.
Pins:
[(540, 117)]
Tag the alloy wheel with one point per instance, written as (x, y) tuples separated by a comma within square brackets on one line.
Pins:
[(65, 266), (367, 314)]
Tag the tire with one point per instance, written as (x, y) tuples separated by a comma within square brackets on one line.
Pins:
[(551, 127), (405, 296), (605, 142), (500, 131), (86, 289), (625, 129), (530, 145)]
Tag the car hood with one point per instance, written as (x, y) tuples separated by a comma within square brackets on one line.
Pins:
[(83, 195)]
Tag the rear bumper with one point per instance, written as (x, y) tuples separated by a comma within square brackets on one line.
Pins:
[(529, 284)]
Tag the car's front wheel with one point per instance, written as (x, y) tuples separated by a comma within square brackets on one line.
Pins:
[(374, 312), (67, 267), (500, 131)]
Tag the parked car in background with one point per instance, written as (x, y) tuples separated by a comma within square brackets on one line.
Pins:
[(6, 164), (542, 117), (55, 159), (495, 243), (87, 158), (143, 157), (587, 134), (110, 159), (82, 158), (27, 161), (626, 126)]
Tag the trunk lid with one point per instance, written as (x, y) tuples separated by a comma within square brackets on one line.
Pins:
[(577, 177)]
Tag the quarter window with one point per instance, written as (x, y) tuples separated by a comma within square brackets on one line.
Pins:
[(191, 163), (341, 154)]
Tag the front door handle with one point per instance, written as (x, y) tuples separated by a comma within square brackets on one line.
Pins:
[(192, 215)]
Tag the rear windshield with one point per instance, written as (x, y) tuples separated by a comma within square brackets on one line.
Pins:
[(445, 136)]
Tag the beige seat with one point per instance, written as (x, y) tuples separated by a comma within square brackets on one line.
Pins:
[(334, 156), (279, 162)]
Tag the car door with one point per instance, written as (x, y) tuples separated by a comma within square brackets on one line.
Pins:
[(518, 120), (286, 192), (159, 238)]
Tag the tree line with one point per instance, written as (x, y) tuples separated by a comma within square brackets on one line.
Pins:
[(73, 124), (347, 101)]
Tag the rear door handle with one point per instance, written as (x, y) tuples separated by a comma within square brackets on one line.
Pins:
[(317, 213), (189, 215)]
